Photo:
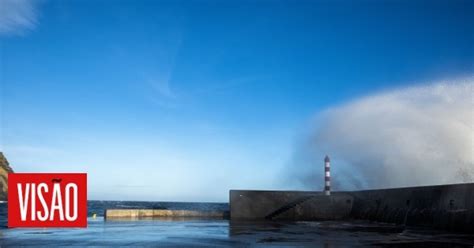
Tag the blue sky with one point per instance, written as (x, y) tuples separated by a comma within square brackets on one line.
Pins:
[(184, 100)]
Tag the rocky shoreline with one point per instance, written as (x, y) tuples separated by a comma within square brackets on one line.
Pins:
[(4, 170)]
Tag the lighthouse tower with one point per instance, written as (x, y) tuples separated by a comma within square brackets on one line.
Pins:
[(327, 176)]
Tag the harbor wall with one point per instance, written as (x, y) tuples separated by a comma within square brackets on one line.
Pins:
[(447, 207), (288, 205), (123, 214)]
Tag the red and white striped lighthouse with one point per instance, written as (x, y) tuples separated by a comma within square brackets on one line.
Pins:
[(327, 176)]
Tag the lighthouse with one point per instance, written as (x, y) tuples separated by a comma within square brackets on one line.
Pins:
[(327, 175)]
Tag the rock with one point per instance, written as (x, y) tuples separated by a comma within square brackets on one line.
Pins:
[(4, 170)]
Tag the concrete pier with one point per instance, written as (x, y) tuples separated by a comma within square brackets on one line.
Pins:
[(288, 205), (121, 214), (444, 207)]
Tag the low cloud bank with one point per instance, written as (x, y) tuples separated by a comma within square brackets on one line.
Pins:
[(420, 135)]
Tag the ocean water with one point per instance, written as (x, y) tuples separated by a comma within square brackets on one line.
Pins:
[(223, 233)]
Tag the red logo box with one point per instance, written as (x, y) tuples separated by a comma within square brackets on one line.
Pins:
[(47, 200)]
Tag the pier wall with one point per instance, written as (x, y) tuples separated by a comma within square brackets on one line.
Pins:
[(122, 214), (288, 205), (448, 207)]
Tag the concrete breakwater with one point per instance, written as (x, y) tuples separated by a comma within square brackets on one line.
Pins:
[(447, 207), (117, 214), (288, 205)]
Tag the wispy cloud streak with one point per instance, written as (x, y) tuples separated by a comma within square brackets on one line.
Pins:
[(17, 16)]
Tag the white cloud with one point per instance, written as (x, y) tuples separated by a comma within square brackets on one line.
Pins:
[(414, 136), (17, 16)]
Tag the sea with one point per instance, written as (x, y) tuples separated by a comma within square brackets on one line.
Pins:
[(221, 233)]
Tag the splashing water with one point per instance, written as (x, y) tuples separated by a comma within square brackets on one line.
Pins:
[(420, 135)]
